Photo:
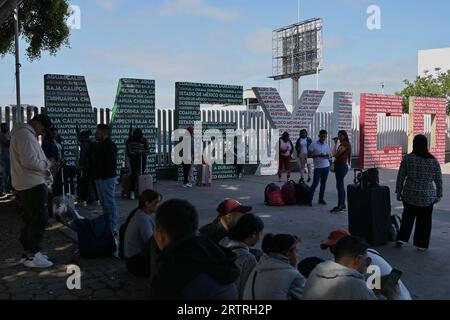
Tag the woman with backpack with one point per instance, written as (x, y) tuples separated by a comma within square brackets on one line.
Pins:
[(137, 231), (342, 154), (276, 277), (286, 149), (242, 237), (419, 187)]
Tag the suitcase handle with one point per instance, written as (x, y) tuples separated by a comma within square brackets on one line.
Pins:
[(356, 171)]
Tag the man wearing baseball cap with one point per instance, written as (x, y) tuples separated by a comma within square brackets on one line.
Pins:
[(30, 173), (229, 212)]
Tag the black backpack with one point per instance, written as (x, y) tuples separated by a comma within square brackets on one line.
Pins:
[(122, 230), (367, 179), (302, 191), (270, 188)]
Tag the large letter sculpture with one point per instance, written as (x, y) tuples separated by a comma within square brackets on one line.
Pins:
[(418, 108), (342, 112), (371, 106), (134, 108), (280, 118), (67, 103)]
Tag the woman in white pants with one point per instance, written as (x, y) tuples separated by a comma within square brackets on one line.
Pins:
[(301, 147)]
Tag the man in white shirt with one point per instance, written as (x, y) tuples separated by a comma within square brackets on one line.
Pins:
[(321, 153)]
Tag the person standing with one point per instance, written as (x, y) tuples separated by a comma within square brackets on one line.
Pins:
[(342, 155), (286, 149), (239, 157), (320, 151), (188, 166), (137, 151), (301, 146), (5, 140), (86, 190), (419, 187), (52, 146), (31, 176), (105, 166)]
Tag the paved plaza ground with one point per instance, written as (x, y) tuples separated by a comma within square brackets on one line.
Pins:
[(427, 274)]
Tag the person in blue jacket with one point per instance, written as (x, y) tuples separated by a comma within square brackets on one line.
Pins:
[(301, 148)]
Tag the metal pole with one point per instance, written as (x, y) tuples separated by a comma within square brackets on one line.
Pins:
[(295, 90), (317, 79), (16, 37)]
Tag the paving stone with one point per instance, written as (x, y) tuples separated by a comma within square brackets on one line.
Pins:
[(43, 297)]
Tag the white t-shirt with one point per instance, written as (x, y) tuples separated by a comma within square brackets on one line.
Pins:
[(385, 269), (303, 146), (319, 148)]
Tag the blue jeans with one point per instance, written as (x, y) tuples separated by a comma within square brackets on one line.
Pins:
[(106, 190), (6, 175), (341, 171), (320, 176)]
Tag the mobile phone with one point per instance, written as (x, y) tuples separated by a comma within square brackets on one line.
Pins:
[(392, 279)]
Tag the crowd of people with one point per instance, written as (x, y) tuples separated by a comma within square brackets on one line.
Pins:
[(323, 159), (163, 241), (222, 260)]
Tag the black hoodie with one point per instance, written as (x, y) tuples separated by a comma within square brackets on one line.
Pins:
[(195, 268)]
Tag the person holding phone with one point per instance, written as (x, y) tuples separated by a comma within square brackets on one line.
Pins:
[(342, 153), (391, 292), (419, 187), (320, 151)]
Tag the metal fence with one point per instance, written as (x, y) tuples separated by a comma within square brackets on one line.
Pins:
[(391, 130)]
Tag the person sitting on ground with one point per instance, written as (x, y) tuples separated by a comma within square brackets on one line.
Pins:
[(230, 210), (138, 230), (342, 279), (276, 277), (306, 266), (244, 235), (377, 260), (190, 266)]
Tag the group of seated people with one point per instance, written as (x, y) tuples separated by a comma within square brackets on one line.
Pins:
[(220, 261)]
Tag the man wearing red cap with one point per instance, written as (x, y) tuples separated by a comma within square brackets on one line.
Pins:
[(230, 210)]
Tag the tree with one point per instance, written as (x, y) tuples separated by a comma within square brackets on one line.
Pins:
[(427, 86), (42, 23)]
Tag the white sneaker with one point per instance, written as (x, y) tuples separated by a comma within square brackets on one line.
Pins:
[(24, 258), (421, 249), (38, 261), (84, 204), (132, 197), (189, 185)]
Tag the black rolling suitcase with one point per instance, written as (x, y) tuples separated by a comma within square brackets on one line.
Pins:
[(369, 212)]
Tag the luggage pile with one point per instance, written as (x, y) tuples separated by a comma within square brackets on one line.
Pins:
[(290, 194)]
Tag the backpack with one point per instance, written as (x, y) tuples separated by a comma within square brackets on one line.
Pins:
[(273, 196), (95, 237), (367, 179), (288, 193), (302, 191), (394, 229), (122, 230)]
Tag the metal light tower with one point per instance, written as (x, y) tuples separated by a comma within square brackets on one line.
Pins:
[(296, 52), (17, 54)]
